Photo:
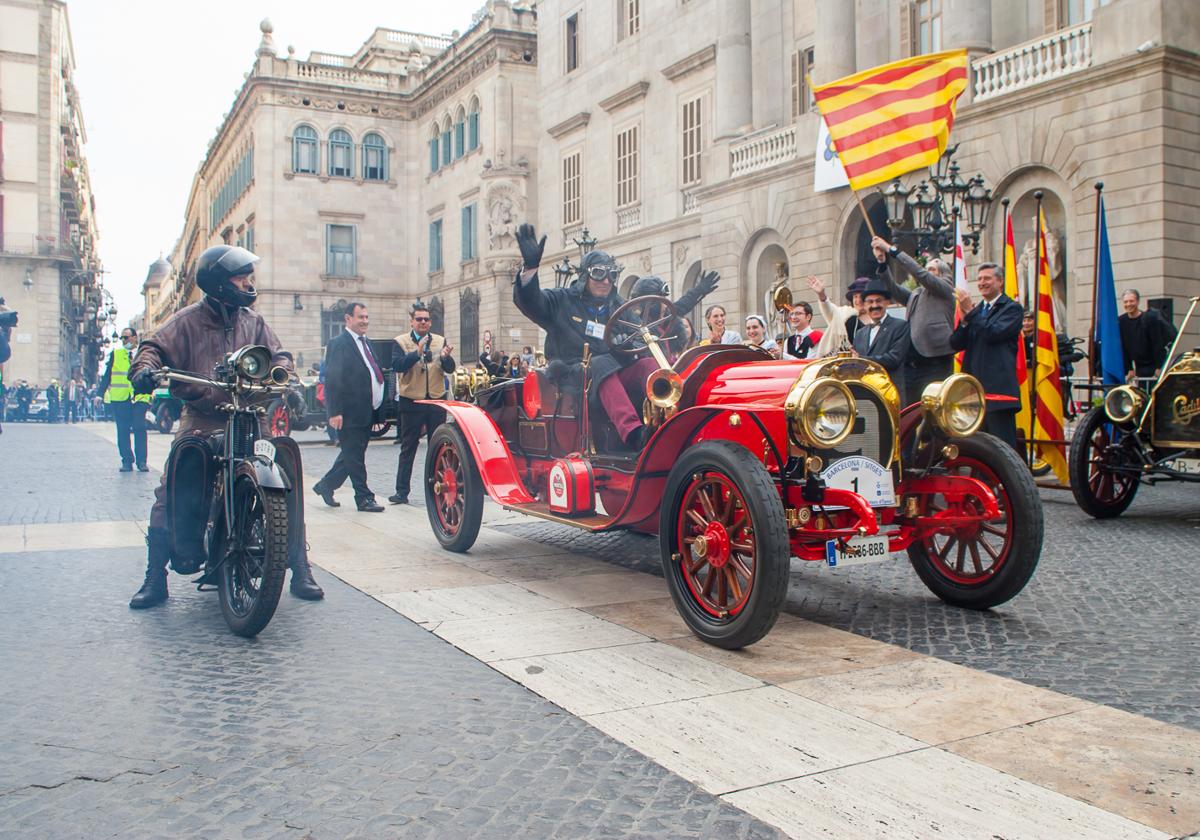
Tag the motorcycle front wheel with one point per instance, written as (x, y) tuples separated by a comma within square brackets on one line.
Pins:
[(251, 578)]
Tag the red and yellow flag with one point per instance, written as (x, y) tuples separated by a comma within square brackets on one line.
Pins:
[(893, 119), (1010, 289), (1048, 406)]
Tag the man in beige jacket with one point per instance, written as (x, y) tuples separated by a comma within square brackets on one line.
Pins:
[(421, 361)]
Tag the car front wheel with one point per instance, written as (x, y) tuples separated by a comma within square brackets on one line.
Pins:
[(1099, 489)]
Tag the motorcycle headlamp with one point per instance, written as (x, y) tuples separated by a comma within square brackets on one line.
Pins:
[(822, 413), (252, 362), (1123, 403), (955, 405)]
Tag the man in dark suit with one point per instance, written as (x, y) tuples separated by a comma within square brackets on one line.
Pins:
[(988, 333), (886, 339), (353, 390)]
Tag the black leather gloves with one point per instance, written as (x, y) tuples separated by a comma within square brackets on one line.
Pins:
[(531, 247), (707, 282), (144, 381)]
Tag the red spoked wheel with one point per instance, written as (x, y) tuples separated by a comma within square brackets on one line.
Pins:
[(279, 419), (984, 563), (724, 544), (1099, 462), (453, 489)]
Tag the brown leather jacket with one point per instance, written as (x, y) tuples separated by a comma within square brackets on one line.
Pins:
[(196, 338)]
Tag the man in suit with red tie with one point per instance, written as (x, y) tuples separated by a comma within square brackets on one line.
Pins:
[(353, 390)]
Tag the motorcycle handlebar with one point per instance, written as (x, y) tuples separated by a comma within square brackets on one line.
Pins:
[(275, 386)]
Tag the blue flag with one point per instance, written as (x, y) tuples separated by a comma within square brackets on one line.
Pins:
[(1108, 331)]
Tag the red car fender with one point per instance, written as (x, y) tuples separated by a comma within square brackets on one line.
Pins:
[(496, 468)]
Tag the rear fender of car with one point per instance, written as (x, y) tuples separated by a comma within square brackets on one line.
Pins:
[(499, 472)]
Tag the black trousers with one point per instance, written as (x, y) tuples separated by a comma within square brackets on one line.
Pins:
[(414, 418), (350, 463), (920, 370), (1003, 424), (131, 422)]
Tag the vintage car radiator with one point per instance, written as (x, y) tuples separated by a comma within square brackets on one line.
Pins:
[(1175, 417)]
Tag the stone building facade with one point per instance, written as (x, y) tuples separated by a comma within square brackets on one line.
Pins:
[(388, 176), (49, 268)]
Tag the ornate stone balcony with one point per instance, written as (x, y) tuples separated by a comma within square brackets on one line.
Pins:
[(691, 204), (329, 74), (763, 150), (1025, 65), (629, 218)]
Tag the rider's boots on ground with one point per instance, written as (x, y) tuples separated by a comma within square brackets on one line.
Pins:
[(303, 585), (154, 589)]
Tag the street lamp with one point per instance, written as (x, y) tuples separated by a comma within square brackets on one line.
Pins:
[(28, 281), (562, 273), (932, 206), (585, 242)]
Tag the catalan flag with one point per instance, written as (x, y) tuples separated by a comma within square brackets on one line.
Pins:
[(1047, 404), (1010, 289), (893, 119)]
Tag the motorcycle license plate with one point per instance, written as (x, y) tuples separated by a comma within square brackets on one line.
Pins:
[(861, 475), (856, 551), (265, 448), (1191, 466)]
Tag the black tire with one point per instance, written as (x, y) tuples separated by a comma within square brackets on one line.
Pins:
[(380, 429), (279, 418), (249, 584), (1102, 493), (1013, 543), (164, 421), (453, 489), (705, 605)]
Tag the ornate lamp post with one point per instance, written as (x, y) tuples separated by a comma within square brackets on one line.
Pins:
[(562, 273), (934, 204), (565, 270)]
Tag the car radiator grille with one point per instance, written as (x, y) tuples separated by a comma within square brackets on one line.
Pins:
[(1174, 420), (873, 434)]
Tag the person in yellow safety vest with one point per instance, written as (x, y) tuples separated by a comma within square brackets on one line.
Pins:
[(128, 408)]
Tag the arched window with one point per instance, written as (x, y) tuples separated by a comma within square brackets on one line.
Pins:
[(434, 157), (341, 154), (446, 148), (374, 158), (304, 149), (460, 133), (473, 126)]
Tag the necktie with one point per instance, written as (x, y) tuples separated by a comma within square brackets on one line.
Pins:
[(371, 359), (987, 308)]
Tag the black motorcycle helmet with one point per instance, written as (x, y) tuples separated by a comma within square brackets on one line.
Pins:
[(599, 260), (215, 268), (649, 285)]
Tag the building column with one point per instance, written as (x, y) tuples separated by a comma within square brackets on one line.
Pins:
[(967, 23), (834, 52), (734, 90)]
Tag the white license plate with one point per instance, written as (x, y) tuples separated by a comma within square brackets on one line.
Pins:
[(265, 448), (861, 475), (857, 551), (1191, 466)]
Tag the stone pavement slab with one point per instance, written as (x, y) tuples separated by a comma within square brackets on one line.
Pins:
[(534, 634)]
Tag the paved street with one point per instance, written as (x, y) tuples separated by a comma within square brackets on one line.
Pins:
[(375, 714)]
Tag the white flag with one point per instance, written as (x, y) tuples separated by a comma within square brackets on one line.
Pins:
[(960, 264), (828, 172)]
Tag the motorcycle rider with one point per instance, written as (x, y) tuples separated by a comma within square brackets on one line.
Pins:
[(195, 339)]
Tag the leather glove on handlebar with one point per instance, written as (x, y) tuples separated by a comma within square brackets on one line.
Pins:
[(144, 381), (531, 247)]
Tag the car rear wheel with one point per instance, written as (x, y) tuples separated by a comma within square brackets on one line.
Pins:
[(453, 489), (1100, 490), (164, 421), (724, 543), (983, 564)]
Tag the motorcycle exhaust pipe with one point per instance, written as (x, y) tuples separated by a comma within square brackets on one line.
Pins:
[(279, 375)]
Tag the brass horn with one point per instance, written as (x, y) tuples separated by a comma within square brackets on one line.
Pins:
[(781, 296), (664, 387)]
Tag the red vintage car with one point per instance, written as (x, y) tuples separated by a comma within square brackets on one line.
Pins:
[(752, 462)]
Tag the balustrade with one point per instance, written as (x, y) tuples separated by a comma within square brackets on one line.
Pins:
[(1060, 54), (761, 151)]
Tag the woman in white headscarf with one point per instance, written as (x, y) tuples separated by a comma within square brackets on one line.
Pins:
[(756, 335)]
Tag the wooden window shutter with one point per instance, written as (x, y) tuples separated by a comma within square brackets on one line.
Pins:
[(906, 28)]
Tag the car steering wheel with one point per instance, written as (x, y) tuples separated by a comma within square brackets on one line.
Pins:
[(635, 322)]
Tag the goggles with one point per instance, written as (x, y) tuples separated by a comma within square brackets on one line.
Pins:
[(604, 272)]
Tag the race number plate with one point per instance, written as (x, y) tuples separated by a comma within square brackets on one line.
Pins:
[(1191, 466), (857, 551), (863, 476), (265, 448)]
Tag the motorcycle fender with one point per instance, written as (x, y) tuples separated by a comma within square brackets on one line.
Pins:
[(266, 474)]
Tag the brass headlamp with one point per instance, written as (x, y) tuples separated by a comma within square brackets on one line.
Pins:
[(955, 405)]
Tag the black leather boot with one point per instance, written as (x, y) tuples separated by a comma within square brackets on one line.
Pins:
[(303, 585), (154, 588)]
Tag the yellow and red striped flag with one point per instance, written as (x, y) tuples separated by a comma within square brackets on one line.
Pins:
[(960, 282), (1048, 406), (1010, 289), (893, 119)]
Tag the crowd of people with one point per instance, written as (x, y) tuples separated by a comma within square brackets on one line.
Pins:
[(71, 402)]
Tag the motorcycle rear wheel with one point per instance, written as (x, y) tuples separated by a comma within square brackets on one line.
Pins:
[(251, 577)]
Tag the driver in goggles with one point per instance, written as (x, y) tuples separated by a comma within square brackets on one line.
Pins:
[(578, 315)]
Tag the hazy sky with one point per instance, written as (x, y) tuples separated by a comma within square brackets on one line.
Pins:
[(154, 78)]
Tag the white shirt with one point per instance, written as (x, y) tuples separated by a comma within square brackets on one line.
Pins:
[(873, 335), (376, 386)]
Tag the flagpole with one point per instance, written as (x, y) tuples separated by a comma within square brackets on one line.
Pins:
[(1037, 321), (1095, 290), (863, 210)]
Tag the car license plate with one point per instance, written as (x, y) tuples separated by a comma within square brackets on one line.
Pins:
[(856, 551), (265, 448), (861, 475), (1191, 466)]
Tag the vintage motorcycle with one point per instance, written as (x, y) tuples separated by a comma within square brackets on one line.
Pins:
[(243, 482)]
